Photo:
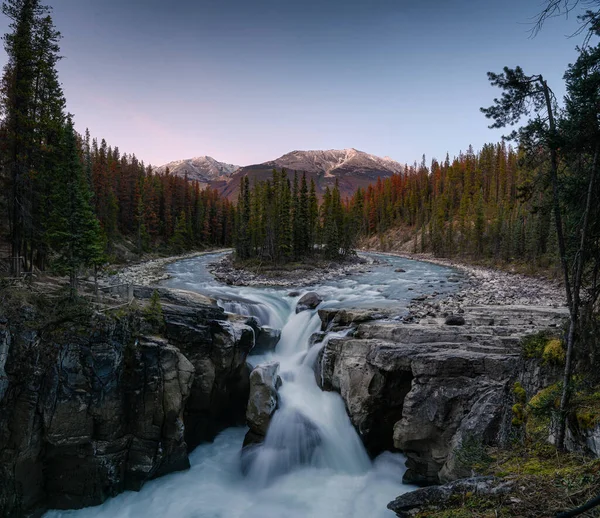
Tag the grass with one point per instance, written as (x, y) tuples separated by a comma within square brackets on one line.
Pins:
[(545, 482)]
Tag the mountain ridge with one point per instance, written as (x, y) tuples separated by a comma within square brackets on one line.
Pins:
[(351, 167)]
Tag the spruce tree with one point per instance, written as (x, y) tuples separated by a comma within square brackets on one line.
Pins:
[(179, 241), (74, 231), (32, 103)]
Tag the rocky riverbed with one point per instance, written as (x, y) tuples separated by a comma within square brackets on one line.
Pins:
[(483, 286)]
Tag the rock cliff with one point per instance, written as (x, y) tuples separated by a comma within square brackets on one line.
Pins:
[(92, 405), (423, 388)]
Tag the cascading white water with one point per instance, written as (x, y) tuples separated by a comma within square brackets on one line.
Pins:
[(310, 427), (312, 463)]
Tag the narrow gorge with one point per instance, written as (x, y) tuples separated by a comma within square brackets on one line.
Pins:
[(354, 391)]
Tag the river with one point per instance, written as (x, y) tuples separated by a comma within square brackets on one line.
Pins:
[(312, 463)]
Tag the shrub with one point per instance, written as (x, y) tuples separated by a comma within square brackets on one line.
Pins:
[(472, 454), (533, 345), (554, 353), (153, 312)]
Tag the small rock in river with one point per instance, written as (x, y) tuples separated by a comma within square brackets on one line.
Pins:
[(455, 320)]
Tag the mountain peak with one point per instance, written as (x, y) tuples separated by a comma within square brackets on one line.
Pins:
[(204, 169), (351, 167)]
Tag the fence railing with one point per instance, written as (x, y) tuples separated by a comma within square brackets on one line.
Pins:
[(110, 297)]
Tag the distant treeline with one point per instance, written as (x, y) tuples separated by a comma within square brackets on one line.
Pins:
[(155, 210)]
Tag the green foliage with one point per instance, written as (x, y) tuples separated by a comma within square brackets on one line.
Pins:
[(554, 352), (519, 393), (73, 229), (518, 411), (472, 454), (533, 345), (180, 240), (279, 221), (153, 312)]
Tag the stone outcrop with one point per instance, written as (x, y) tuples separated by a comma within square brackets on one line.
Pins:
[(336, 319), (217, 348), (421, 500), (92, 405), (266, 338), (262, 401), (308, 301), (423, 388)]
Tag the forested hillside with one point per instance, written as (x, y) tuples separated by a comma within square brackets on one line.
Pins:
[(67, 201), (481, 205)]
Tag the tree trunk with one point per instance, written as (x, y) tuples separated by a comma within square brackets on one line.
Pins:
[(574, 309)]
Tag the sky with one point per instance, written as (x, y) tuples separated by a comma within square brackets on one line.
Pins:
[(245, 81)]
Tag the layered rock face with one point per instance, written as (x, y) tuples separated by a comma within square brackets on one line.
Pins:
[(424, 388), (92, 405)]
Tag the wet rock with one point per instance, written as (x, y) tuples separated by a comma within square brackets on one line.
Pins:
[(308, 301), (316, 338), (267, 339), (262, 402), (293, 294), (400, 270), (432, 498), (455, 320)]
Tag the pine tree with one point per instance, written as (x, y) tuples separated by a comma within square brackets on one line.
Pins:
[(74, 231), (32, 104), (179, 241)]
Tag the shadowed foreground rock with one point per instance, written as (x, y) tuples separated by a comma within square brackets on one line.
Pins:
[(92, 405), (419, 501)]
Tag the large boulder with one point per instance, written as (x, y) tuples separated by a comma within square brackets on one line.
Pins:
[(455, 320), (425, 389), (333, 319), (262, 402), (266, 338), (308, 301)]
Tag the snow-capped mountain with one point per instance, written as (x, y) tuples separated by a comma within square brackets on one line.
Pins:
[(205, 169), (351, 168), (335, 161)]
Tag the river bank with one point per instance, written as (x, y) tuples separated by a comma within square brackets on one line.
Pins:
[(151, 271)]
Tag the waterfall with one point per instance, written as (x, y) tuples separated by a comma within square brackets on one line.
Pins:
[(312, 463), (310, 427)]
